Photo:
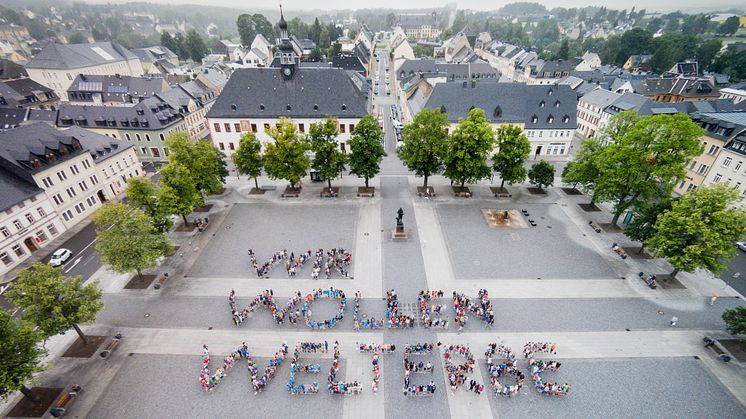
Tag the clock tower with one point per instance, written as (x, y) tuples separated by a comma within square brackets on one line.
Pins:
[(286, 52)]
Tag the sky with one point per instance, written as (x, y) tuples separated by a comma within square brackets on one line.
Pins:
[(658, 5)]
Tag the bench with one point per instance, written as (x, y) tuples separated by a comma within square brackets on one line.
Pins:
[(463, 194), (503, 195), (717, 347), (60, 406), (111, 346), (595, 226), (532, 222)]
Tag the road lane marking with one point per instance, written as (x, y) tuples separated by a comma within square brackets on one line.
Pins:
[(73, 265)]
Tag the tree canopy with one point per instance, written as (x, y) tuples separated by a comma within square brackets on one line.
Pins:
[(126, 240), (735, 320), (178, 193), (513, 149), (541, 174), (143, 194), (424, 143), (585, 168), (53, 302), (194, 46), (646, 156), (250, 25), (366, 142), (285, 157), (328, 161), (468, 148), (21, 356), (248, 158), (205, 164), (700, 228)]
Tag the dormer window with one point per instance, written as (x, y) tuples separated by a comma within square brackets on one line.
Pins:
[(557, 104), (36, 163), (550, 92), (64, 151), (541, 104), (344, 107), (550, 119), (498, 112), (443, 108), (288, 107), (566, 119), (51, 157), (261, 106), (534, 119), (233, 106)]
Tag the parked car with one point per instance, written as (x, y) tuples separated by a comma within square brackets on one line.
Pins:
[(60, 256), (741, 245)]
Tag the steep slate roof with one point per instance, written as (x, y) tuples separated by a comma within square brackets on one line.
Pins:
[(310, 93), (20, 146), (417, 20), (149, 114), (508, 102), (72, 56), (12, 117), (600, 97), (452, 71), (348, 62), (21, 92), (100, 146), (117, 88), (153, 54), (14, 190), (11, 70)]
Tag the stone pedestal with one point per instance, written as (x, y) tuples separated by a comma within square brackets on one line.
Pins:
[(400, 233)]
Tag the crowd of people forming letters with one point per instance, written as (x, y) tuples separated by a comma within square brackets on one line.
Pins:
[(337, 260), (501, 360), (297, 307)]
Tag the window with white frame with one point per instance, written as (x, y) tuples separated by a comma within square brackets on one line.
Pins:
[(41, 212), (6, 259), (52, 229), (717, 178), (18, 250), (727, 161), (17, 224), (42, 236), (30, 217), (5, 231)]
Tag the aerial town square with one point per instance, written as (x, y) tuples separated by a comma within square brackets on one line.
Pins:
[(452, 211)]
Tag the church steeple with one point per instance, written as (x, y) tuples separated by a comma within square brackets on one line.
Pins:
[(283, 26), (285, 49)]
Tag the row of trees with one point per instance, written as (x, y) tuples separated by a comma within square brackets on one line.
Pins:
[(287, 157), (637, 170), (462, 156), (189, 47)]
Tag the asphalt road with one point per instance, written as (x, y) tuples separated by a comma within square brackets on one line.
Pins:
[(737, 264)]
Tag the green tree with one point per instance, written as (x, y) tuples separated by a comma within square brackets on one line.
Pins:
[(564, 50), (169, 42), (646, 156), (699, 230), (203, 161), (424, 143), (251, 25), (248, 157), (285, 157), (77, 38), (194, 46), (55, 303), (178, 193), (328, 161), (366, 143), (585, 168), (21, 356), (316, 31), (735, 320), (126, 240), (733, 62), (513, 149), (729, 26), (541, 174), (706, 53), (468, 147), (646, 214), (143, 194)]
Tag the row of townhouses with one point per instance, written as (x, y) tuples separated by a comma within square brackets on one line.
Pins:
[(52, 179)]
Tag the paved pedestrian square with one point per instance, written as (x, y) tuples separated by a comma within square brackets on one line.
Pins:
[(554, 249), (167, 386), (624, 388), (268, 228)]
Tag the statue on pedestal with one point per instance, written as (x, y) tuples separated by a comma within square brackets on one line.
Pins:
[(399, 220)]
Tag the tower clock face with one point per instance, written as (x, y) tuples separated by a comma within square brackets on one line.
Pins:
[(287, 71)]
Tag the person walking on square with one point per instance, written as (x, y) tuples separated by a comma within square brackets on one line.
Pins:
[(674, 321), (714, 298)]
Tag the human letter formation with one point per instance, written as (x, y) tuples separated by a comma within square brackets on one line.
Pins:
[(337, 260), (502, 365)]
